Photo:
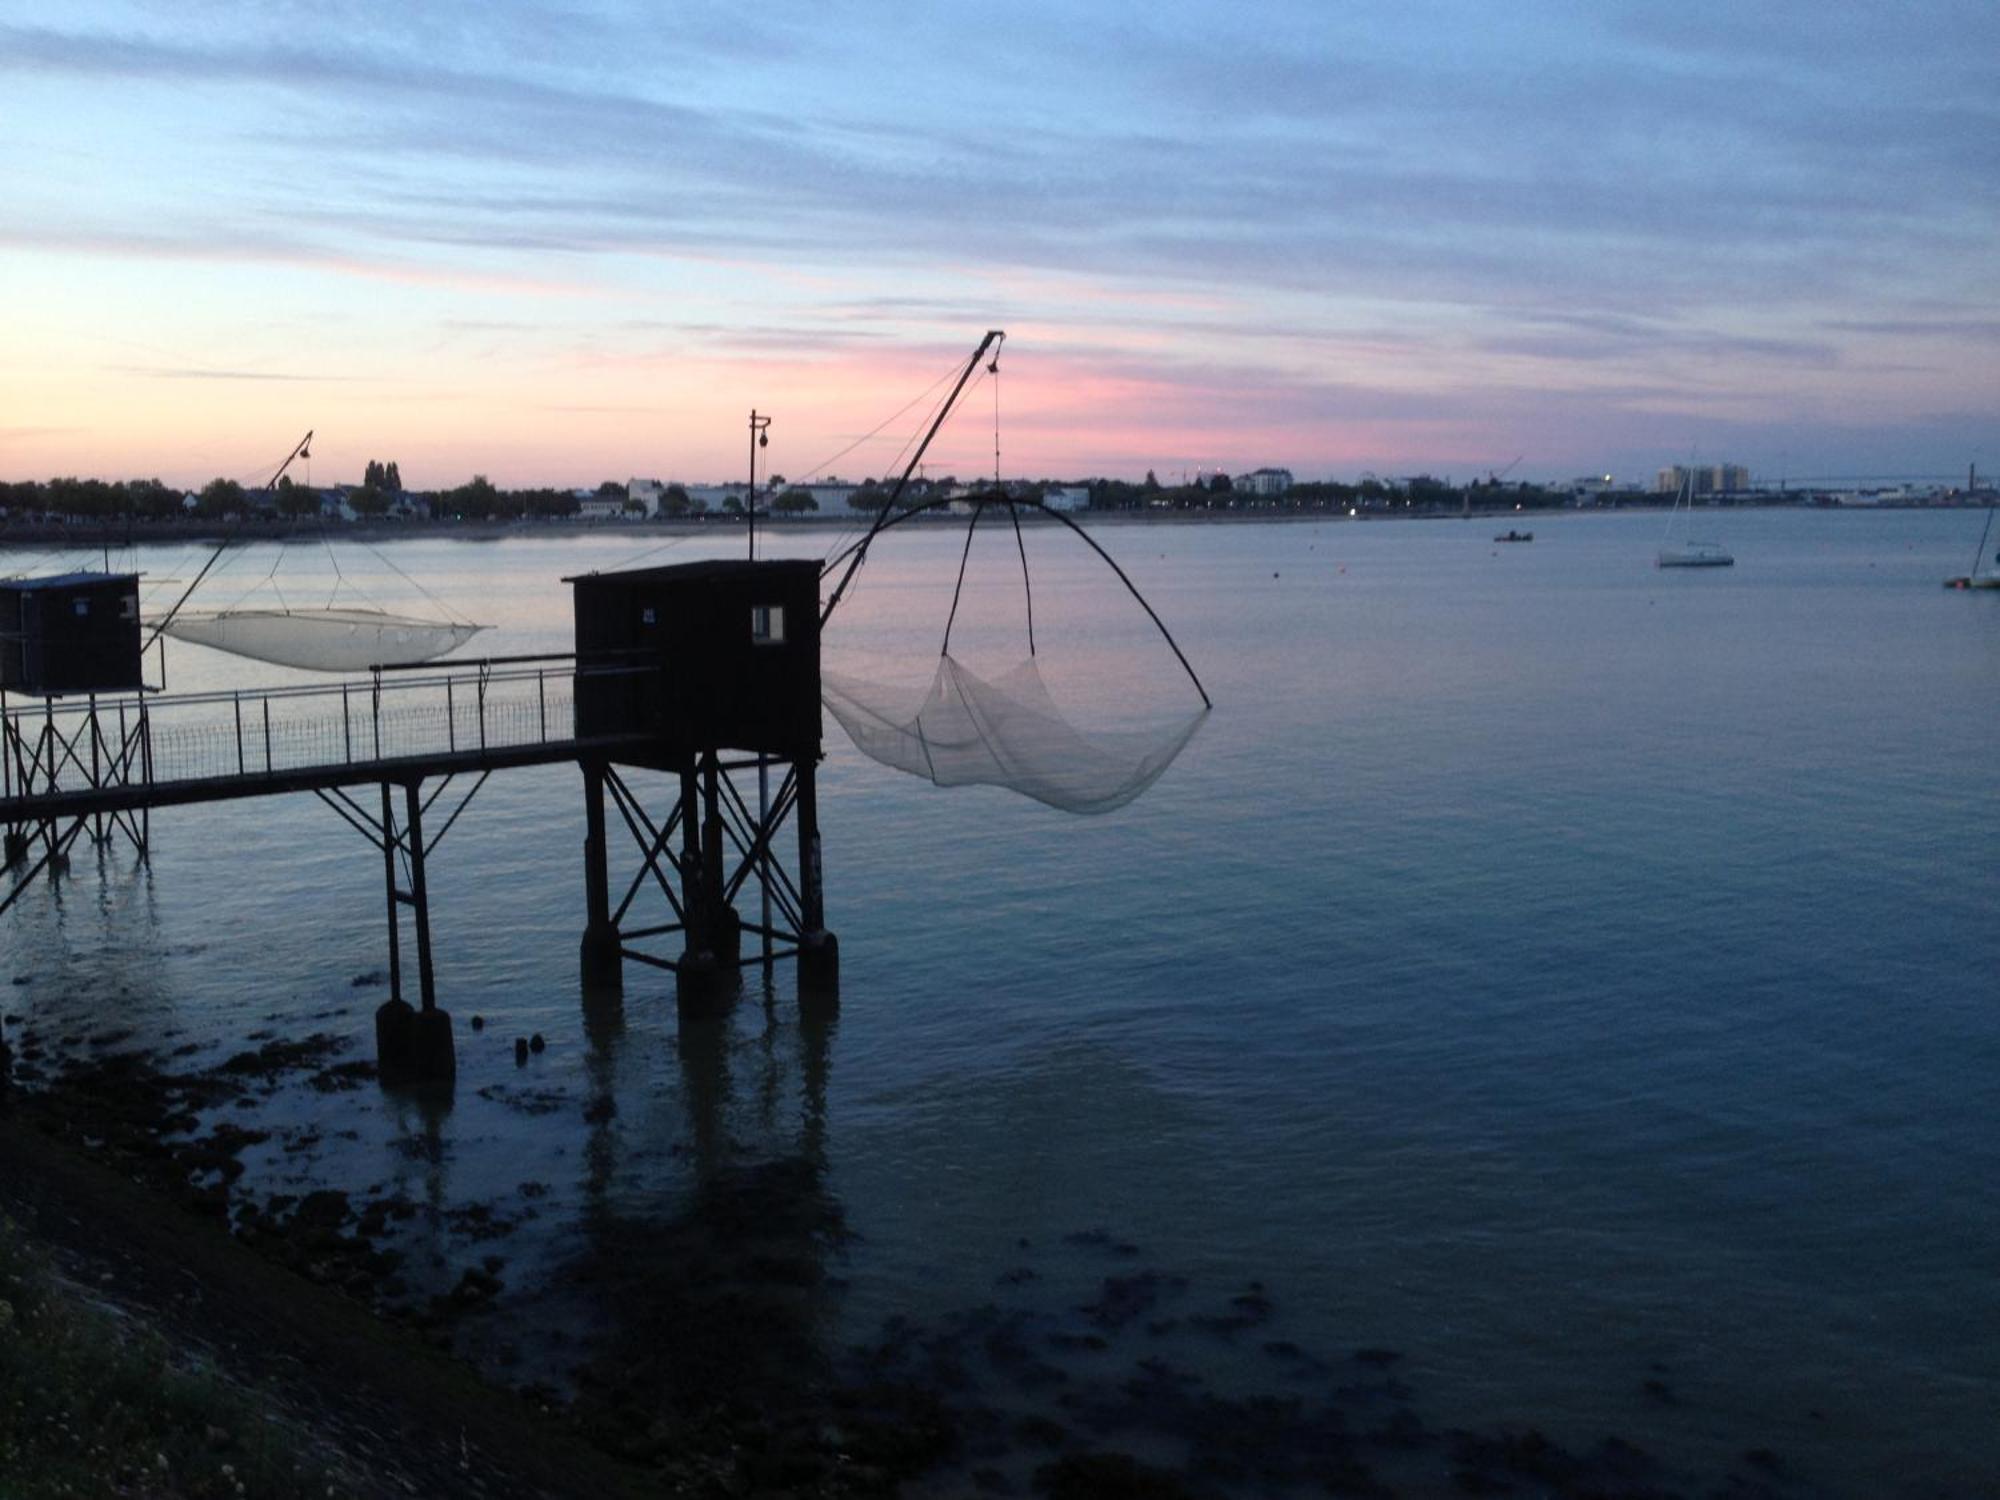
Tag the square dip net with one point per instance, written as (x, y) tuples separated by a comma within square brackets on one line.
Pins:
[(1003, 726)]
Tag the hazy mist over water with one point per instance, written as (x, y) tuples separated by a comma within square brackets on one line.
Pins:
[(1539, 964)]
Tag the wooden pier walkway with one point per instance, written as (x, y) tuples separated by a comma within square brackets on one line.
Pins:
[(82, 762)]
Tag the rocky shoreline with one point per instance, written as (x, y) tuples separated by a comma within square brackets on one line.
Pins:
[(706, 1370)]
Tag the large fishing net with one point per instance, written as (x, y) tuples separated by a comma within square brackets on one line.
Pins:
[(1008, 732), (1110, 731), (322, 640)]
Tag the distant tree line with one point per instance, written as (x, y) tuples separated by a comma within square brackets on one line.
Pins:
[(381, 491), (95, 498)]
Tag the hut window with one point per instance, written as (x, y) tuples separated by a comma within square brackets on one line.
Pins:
[(767, 625), (82, 607), (128, 607)]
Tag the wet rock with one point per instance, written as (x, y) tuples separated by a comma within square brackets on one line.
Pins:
[(536, 1045), (1482, 1464), (1107, 1476), (343, 1077), (1073, 1342), (477, 1287), (479, 1023), (1403, 1430), (278, 1057), (1041, 1432), (478, 1221), (1123, 1299), (1247, 1309)]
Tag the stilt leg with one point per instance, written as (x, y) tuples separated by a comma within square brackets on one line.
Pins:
[(603, 968), (819, 951)]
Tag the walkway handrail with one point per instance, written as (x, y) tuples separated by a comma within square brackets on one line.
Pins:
[(156, 702), (524, 705)]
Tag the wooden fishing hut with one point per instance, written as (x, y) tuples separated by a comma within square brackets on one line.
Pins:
[(730, 687), (70, 635)]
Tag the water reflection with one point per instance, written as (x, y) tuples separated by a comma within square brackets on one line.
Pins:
[(712, 1291)]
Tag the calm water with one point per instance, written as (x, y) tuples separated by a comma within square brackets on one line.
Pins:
[(1538, 964)]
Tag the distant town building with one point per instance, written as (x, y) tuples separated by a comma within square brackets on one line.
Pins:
[(1262, 482), (647, 492), (1067, 497), (705, 497), (1713, 479), (831, 494)]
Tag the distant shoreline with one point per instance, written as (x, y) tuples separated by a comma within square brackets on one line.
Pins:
[(98, 534)]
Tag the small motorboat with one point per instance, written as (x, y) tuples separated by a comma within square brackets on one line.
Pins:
[(1515, 536)]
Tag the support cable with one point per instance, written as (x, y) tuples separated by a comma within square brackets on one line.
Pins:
[(1027, 586), (964, 557), (855, 554), (1089, 542)]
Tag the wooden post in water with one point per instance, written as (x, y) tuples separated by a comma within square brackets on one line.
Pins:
[(603, 967), (819, 950), (434, 1059)]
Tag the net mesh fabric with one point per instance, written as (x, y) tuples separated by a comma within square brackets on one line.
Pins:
[(1007, 732), (322, 640)]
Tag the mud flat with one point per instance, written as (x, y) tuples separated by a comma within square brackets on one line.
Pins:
[(688, 1354)]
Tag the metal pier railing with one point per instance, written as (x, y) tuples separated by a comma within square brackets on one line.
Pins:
[(75, 756)]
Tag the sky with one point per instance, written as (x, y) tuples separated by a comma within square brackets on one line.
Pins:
[(560, 244)]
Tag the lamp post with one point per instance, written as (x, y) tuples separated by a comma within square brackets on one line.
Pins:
[(760, 437)]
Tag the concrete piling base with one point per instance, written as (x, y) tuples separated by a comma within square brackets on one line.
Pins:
[(602, 963), (435, 1056), (819, 965), (700, 981), (395, 1024), (15, 849), (413, 1047), (728, 937)]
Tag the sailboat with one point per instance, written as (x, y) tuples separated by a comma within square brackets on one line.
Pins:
[(1690, 553), (1984, 574)]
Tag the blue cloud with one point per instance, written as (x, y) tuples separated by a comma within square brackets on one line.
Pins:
[(1576, 186)]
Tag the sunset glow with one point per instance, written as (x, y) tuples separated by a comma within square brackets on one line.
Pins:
[(559, 248)]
